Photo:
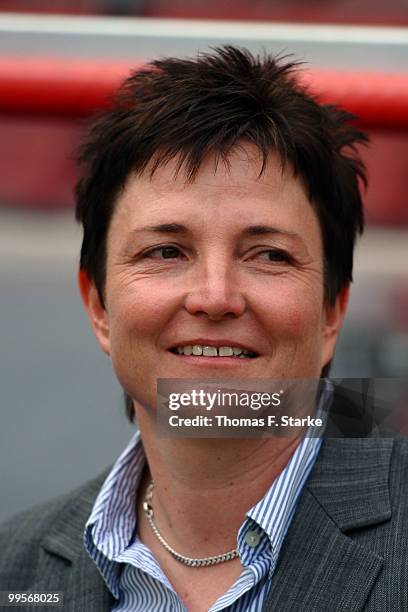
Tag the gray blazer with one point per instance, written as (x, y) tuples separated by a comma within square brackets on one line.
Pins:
[(346, 549)]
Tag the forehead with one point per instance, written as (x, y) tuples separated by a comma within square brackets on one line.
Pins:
[(223, 196)]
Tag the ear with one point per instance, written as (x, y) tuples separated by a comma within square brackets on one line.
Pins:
[(333, 317), (95, 310)]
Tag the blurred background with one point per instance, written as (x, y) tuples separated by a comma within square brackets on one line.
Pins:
[(62, 414)]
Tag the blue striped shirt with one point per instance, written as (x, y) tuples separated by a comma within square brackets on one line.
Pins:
[(132, 573)]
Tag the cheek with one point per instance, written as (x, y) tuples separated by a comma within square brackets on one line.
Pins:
[(137, 315), (133, 321), (293, 314)]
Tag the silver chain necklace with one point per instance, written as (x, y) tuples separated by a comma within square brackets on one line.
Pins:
[(148, 510)]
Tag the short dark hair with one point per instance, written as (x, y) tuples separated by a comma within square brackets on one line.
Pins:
[(186, 109)]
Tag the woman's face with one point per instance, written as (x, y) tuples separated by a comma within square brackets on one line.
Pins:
[(231, 260)]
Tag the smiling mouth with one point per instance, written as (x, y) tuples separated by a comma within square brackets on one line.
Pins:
[(198, 350)]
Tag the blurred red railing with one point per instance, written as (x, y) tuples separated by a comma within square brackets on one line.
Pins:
[(75, 88), (42, 101)]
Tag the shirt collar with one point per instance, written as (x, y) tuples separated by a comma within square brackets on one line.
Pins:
[(274, 512), (113, 519)]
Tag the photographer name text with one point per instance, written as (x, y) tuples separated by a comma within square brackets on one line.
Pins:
[(231, 422)]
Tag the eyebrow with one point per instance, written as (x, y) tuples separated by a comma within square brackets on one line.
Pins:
[(251, 230), (263, 230), (163, 228)]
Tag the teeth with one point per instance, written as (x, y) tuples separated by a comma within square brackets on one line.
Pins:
[(213, 351), (225, 351), (210, 351)]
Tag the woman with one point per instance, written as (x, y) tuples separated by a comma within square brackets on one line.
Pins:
[(220, 205)]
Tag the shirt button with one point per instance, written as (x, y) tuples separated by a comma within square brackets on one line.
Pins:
[(252, 538)]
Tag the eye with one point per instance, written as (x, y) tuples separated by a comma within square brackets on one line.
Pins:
[(164, 252), (275, 255)]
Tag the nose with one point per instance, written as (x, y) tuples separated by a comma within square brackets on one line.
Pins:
[(215, 292)]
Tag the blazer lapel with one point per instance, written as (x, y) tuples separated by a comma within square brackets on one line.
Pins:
[(65, 562), (81, 584), (320, 567), (86, 590)]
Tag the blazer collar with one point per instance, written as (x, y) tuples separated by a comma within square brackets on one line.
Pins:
[(320, 566), (355, 459), (65, 537), (350, 481), (70, 569)]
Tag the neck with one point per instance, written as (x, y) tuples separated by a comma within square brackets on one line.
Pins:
[(204, 487)]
